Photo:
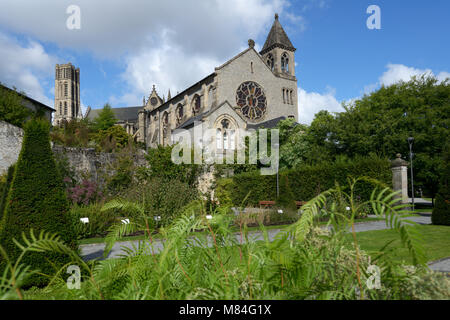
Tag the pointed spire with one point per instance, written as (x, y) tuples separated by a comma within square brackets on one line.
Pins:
[(169, 96), (277, 38)]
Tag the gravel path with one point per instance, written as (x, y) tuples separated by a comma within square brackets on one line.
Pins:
[(95, 251)]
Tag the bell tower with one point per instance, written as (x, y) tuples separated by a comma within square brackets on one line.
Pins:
[(67, 93), (278, 52)]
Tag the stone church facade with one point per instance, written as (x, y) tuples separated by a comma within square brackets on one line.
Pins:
[(251, 90)]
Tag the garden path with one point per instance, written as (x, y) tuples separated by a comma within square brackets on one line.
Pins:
[(95, 251)]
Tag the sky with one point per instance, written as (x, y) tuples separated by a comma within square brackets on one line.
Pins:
[(124, 47)]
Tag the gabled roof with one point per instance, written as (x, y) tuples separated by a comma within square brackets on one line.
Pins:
[(269, 124), (122, 114), (277, 38), (35, 102)]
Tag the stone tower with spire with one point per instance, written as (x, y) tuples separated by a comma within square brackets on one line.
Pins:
[(278, 52), (67, 93)]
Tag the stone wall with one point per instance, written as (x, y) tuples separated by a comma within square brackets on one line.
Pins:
[(10, 144), (95, 165)]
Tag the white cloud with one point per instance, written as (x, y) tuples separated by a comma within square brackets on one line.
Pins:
[(399, 72), (310, 103), (111, 28), (25, 67), (171, 44)]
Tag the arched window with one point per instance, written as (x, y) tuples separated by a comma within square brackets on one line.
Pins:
[(225, 136), (285, 62), (196, 104), (165, 123), (219, 138), (65, 108), (211, 96), (60, 108), (270, 61), (179, 113)]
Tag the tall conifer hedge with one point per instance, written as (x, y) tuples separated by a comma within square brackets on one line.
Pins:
[(36, 200)]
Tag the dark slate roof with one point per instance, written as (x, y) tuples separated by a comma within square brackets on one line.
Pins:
[(277, 37), (190, 122), (267, 125), (35, 102), (122, 114)]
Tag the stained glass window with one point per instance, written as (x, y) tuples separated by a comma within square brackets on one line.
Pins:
[(251, 99)]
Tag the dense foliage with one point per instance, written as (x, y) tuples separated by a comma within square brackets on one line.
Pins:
[(441, 210), (102, 133), (302, 183), (5, 185), (105, 119), (36, 200), (303, 262), (160, 165), (11, 107), (160, 197), (380, 123)]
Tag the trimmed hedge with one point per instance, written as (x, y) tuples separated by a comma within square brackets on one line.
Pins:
[(441, 210), (304, 183), (5, 188), (37, 200)]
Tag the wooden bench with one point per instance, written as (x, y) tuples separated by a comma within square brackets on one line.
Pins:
[(300, 203), (269, 204), (266, 204)]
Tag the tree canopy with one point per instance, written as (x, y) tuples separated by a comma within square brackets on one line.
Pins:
[(380, 123)]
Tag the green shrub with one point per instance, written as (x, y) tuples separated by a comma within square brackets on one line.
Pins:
[(36, 200), (161, 197), (222, 191), (441, 210), (99, 221), (5, 186), (306, 182)]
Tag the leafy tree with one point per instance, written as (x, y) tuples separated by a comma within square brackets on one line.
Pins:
[(105, 119), (161, 166), (11, 107), (36, 200), (380, 123), (112, 139), (75, 133)]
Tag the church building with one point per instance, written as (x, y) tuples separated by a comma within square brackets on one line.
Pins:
[(251, 90)]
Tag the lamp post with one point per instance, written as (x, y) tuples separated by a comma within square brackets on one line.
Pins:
[(410, 142)]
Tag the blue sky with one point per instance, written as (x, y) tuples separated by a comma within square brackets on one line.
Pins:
[(124, 47)]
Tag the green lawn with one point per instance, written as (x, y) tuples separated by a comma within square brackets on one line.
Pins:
[(436, 242)]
